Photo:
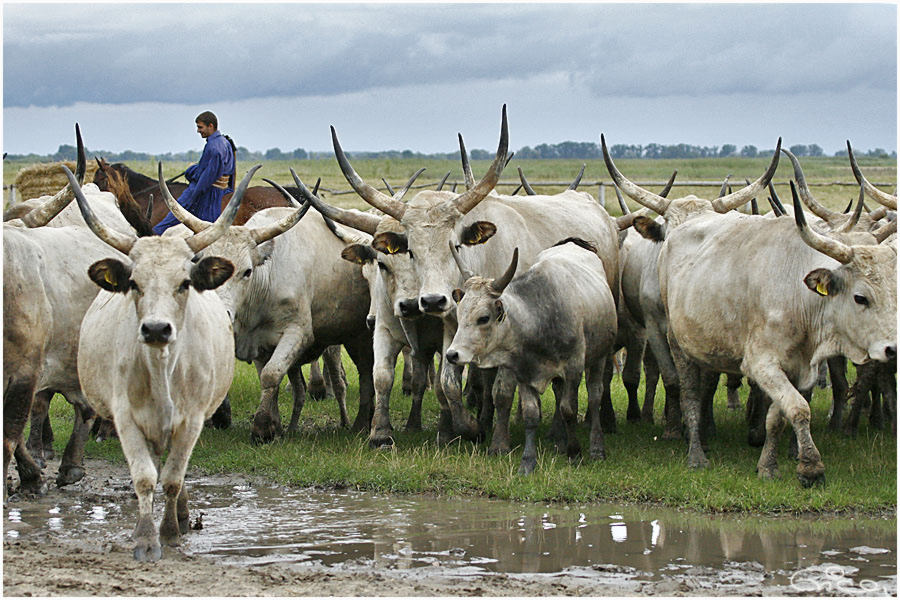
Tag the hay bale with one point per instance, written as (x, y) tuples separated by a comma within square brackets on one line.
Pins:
[(47, 178)]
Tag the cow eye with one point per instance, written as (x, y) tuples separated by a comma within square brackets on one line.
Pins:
[(184, 285), (860, 299), (247, 273), (482, 320)]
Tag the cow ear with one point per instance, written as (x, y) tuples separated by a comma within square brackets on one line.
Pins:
[(358, 253), (501, 312), (458, 295), (823, 282), (390, 242), (649, 229), (477, 233), (210, 273), (111, 274)]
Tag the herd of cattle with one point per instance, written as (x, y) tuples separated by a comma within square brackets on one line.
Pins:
[(525, 291)]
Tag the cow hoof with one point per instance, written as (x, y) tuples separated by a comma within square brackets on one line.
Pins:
[(413, 426), (147, 552), (445, 438), (811, 474), (380, 441), (767, 473), (756, 437), (68, 475), (264, 430), (498, 449), (598, 454), (698, 462), (527, 466)]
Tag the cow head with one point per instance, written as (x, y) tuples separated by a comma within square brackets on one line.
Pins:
[(860, 308), (481, 318), (429, 222), (159, 276), (678, 210)]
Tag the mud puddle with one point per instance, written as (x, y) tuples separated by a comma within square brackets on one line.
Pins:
[(241, 522)]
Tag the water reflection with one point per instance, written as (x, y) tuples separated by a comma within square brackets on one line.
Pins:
[(245, 524)]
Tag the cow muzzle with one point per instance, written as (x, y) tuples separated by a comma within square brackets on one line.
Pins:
[(434, 304), (156, 332), (409, 308), (370, 322)]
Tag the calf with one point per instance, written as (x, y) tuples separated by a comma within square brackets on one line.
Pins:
[(555, 321), (155, 355)]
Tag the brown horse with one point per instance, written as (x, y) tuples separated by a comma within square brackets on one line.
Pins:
[(142, 188)]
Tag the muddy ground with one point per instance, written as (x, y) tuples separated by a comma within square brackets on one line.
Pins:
[(45, 563)]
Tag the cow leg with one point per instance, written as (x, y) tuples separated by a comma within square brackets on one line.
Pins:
[(837, 371), (594, 378), (419, 383), (386, 350), (530, 400), (865, 381), (360, 351), (445, 418), (103, 429), (689, 375), (709, 381), (175, 515), (568, 406), (486, 406), (557, 431), (876, 415), (336, 380), (474, 392), (607, 412), (406, 382), (40, 438), (142, 463), (221, 419), (503, 392), (316, 387), (298, 394), (71, 468), (631, 377), (267, 420), (659, 346), (733, 385), (767, 467), (772, 380), (18, 395), (651, 379), (757, 407), (887, 382), (464, 424)]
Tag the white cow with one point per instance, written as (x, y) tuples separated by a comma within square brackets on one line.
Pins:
[(155, 356)]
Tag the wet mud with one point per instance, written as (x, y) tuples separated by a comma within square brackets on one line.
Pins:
[(253, 538)]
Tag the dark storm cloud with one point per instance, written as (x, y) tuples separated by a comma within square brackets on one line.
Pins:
[(105, 53)]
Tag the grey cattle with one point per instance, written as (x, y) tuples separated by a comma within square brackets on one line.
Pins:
[(555, 321), (291, 296), (809, 297), (155, 355), (430, 221)]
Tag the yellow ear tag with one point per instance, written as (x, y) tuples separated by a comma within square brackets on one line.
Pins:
[(391, 248), (820, 287), (110, 279)]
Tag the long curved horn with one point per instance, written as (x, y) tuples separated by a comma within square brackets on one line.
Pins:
[(775, 201), (201, 240), (654, 202), (466, 273), (120, 241), (668, 187), (885, 231), (499, 284), (574, 184), (879, 213), (440, 185), (624, 207), (193, 222), (743, 195), (265, 233), (470, 199), (399, 195), (829, 246), (525, 185), (43, 214), (805, 194), (724, 187), (358, 220), (876, 194), (854, 218), (388, 186), (379, 200), (466, 168)]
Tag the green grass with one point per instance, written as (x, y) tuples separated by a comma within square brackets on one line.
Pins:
[(640, 467)]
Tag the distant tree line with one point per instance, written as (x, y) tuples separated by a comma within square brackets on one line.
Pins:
[(575, 150)]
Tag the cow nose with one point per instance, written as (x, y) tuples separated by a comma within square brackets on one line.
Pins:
[(452, 356), (891, 351), (433, 303), (370, 322), (409, 307), (156, 332)]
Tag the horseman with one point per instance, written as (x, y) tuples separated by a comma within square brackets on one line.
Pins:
[(210, 179)]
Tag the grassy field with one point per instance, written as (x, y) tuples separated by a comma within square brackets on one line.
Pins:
[(821, 173), (640, 467), (861, 472)]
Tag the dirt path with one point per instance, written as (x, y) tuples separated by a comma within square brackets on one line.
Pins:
[(44, 563)]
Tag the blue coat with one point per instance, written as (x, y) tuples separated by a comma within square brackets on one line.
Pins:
[(200, 197)]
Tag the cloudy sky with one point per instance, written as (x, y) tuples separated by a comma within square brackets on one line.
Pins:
[(410, 76)]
